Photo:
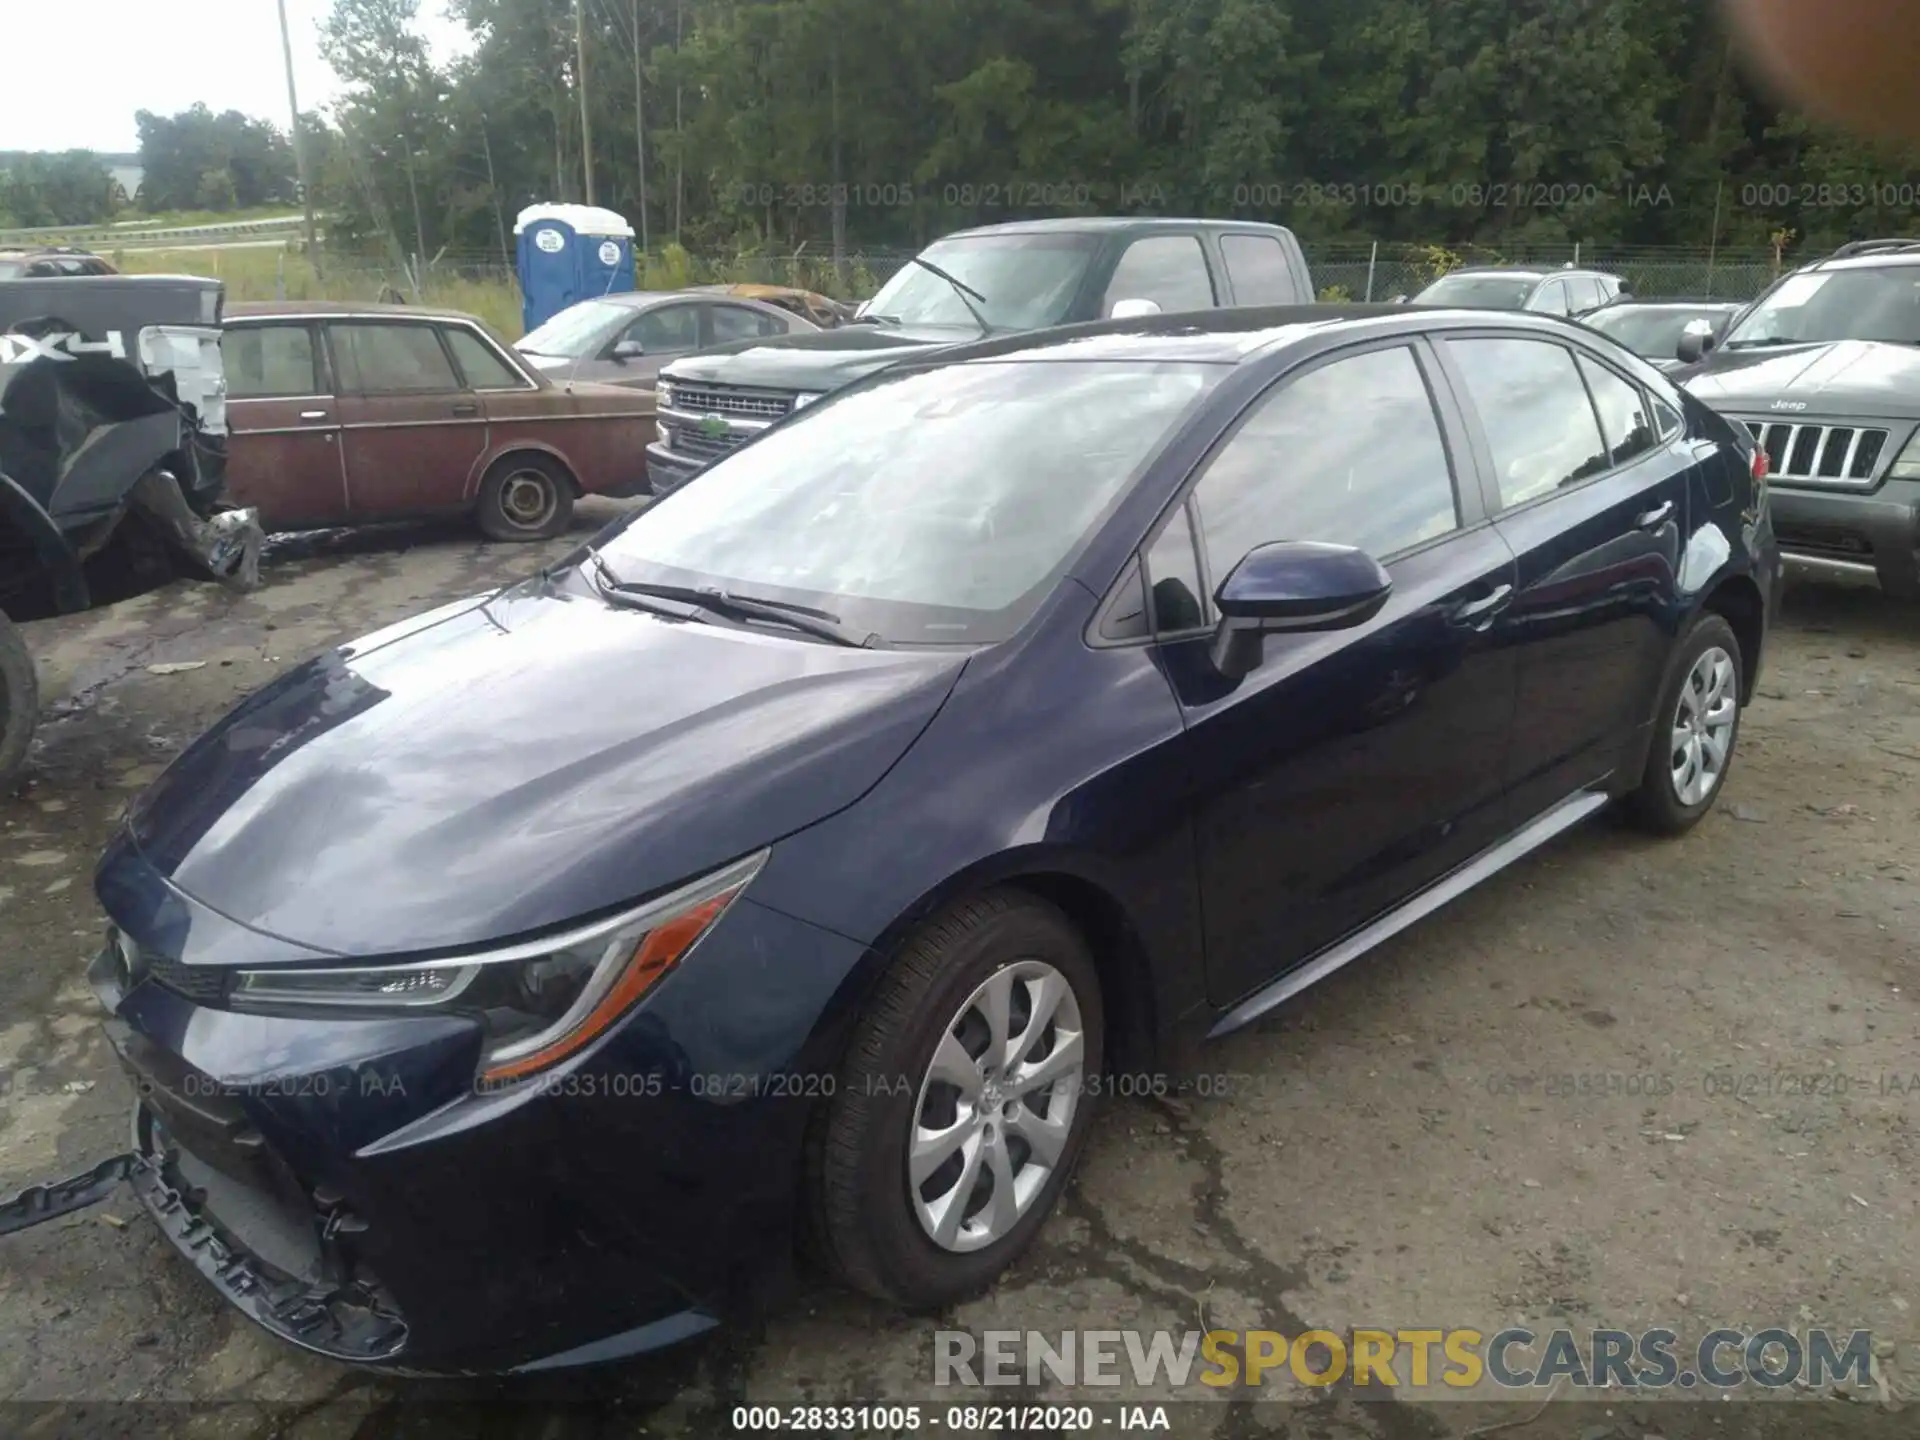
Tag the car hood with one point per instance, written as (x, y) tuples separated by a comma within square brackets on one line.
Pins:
[(1866, 378), (507, 765), (824, 360)]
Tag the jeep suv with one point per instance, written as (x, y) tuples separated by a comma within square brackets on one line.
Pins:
[(1824, 373), (998, 280)]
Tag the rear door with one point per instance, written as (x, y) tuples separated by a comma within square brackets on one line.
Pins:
[(283, 443), (1350, 768), (1593, 504), (412, 433)]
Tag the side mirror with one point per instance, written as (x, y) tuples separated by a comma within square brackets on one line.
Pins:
[(1694, 342), (1293, 587), (1132, 309), (628, 350)]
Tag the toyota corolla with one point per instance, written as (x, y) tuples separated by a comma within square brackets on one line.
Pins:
[(520, 986)]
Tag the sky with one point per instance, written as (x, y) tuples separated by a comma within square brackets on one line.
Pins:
[(163, 55)]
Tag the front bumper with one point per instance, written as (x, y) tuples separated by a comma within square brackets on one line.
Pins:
[(1873, 536), (668, 471), (344, 1185)]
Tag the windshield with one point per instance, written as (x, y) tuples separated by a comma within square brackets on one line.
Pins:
[(1487, 292), (1652, 333), (1870, 304), (928, 506), (1028, 281), (577, 332)]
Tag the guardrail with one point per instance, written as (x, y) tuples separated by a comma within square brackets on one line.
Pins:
[(121, 236)]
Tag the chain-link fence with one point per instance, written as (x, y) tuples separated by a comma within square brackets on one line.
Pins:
[(1382, 271), (482, 283)]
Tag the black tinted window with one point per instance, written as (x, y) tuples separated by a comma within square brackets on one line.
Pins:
[(1349, 453), (1173, 578), (263, 360), (1170, 270), (1534, 407), (1126, 615), (1667, 417), (1624, 421), (1257, 266)]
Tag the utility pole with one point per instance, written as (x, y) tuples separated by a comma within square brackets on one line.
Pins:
[(640, 129), (580, 64), (299, 144), (679, 137)]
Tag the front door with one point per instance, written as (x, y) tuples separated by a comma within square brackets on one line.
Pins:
[(1594, 506), (1351, 768), (412, 432), (283, 445)]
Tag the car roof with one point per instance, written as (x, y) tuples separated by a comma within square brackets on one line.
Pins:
[(1529, 272), (1107, 224), (1226, 336), (1670, 302), (1882, 261), (291, 309)]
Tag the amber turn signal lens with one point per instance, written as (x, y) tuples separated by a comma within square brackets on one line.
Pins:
[(658, 951)]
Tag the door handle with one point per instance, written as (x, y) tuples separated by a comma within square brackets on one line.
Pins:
[(466, 408), (1482, 609), (313, 414), (1655, 517)]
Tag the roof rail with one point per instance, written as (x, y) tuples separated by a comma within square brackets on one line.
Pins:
[(1873, 247)]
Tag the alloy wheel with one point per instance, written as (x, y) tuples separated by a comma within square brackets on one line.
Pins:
[(1703, 724), (996, 1106)]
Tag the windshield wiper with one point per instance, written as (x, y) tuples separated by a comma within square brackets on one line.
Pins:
[(718, 601), (962, 289), (1763, 340)]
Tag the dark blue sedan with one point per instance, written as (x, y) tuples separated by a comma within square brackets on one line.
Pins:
[(516, 987)]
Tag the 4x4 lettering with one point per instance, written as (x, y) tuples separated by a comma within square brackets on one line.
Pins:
[(21, 349)]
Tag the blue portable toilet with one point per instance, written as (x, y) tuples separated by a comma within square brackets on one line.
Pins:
[(570, 253)]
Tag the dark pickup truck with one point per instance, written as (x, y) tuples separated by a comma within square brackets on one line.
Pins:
[(1000, 279)]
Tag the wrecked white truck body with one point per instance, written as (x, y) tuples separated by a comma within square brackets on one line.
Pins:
[(112, 458)]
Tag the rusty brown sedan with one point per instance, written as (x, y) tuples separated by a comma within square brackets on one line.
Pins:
[(346, 414)]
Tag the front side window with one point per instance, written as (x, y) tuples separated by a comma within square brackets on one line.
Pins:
[(267, 360), (1350, 453), (1173, 578), (1257, 266), (1534, 408), (667, 330), (1027, 282), (928, 506), (1170, 270), (1876, 303), (393, 358)]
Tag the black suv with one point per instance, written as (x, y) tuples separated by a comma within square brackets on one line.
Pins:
[(1567, 291), (1823, 372), (998, 280)]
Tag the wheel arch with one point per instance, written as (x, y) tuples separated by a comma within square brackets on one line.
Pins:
[(522, 445), (1737, 600)]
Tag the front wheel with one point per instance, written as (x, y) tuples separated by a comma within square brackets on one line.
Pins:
[(525, 497), (963, 1104), (19, 702), (1693, 731)]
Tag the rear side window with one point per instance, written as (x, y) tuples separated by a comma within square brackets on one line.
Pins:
[(1585, 294), (1349, 453), (736, 322), (267, 360), (1534, 408), (1173, 579), (1550, 298), (667, 330), (1258, 270), (484, 369), (1170, 270), (1624, 422), (389, 359)]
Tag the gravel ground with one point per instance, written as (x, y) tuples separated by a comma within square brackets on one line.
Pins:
[(1396, 1151)]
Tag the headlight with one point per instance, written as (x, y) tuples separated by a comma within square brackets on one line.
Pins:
[(806, 398), (541, 1001), (1907, 467), (663, 393)]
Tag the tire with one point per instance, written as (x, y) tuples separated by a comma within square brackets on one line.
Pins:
[(19, 703), (525, 497), (867, 1215), (1661, 803)]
